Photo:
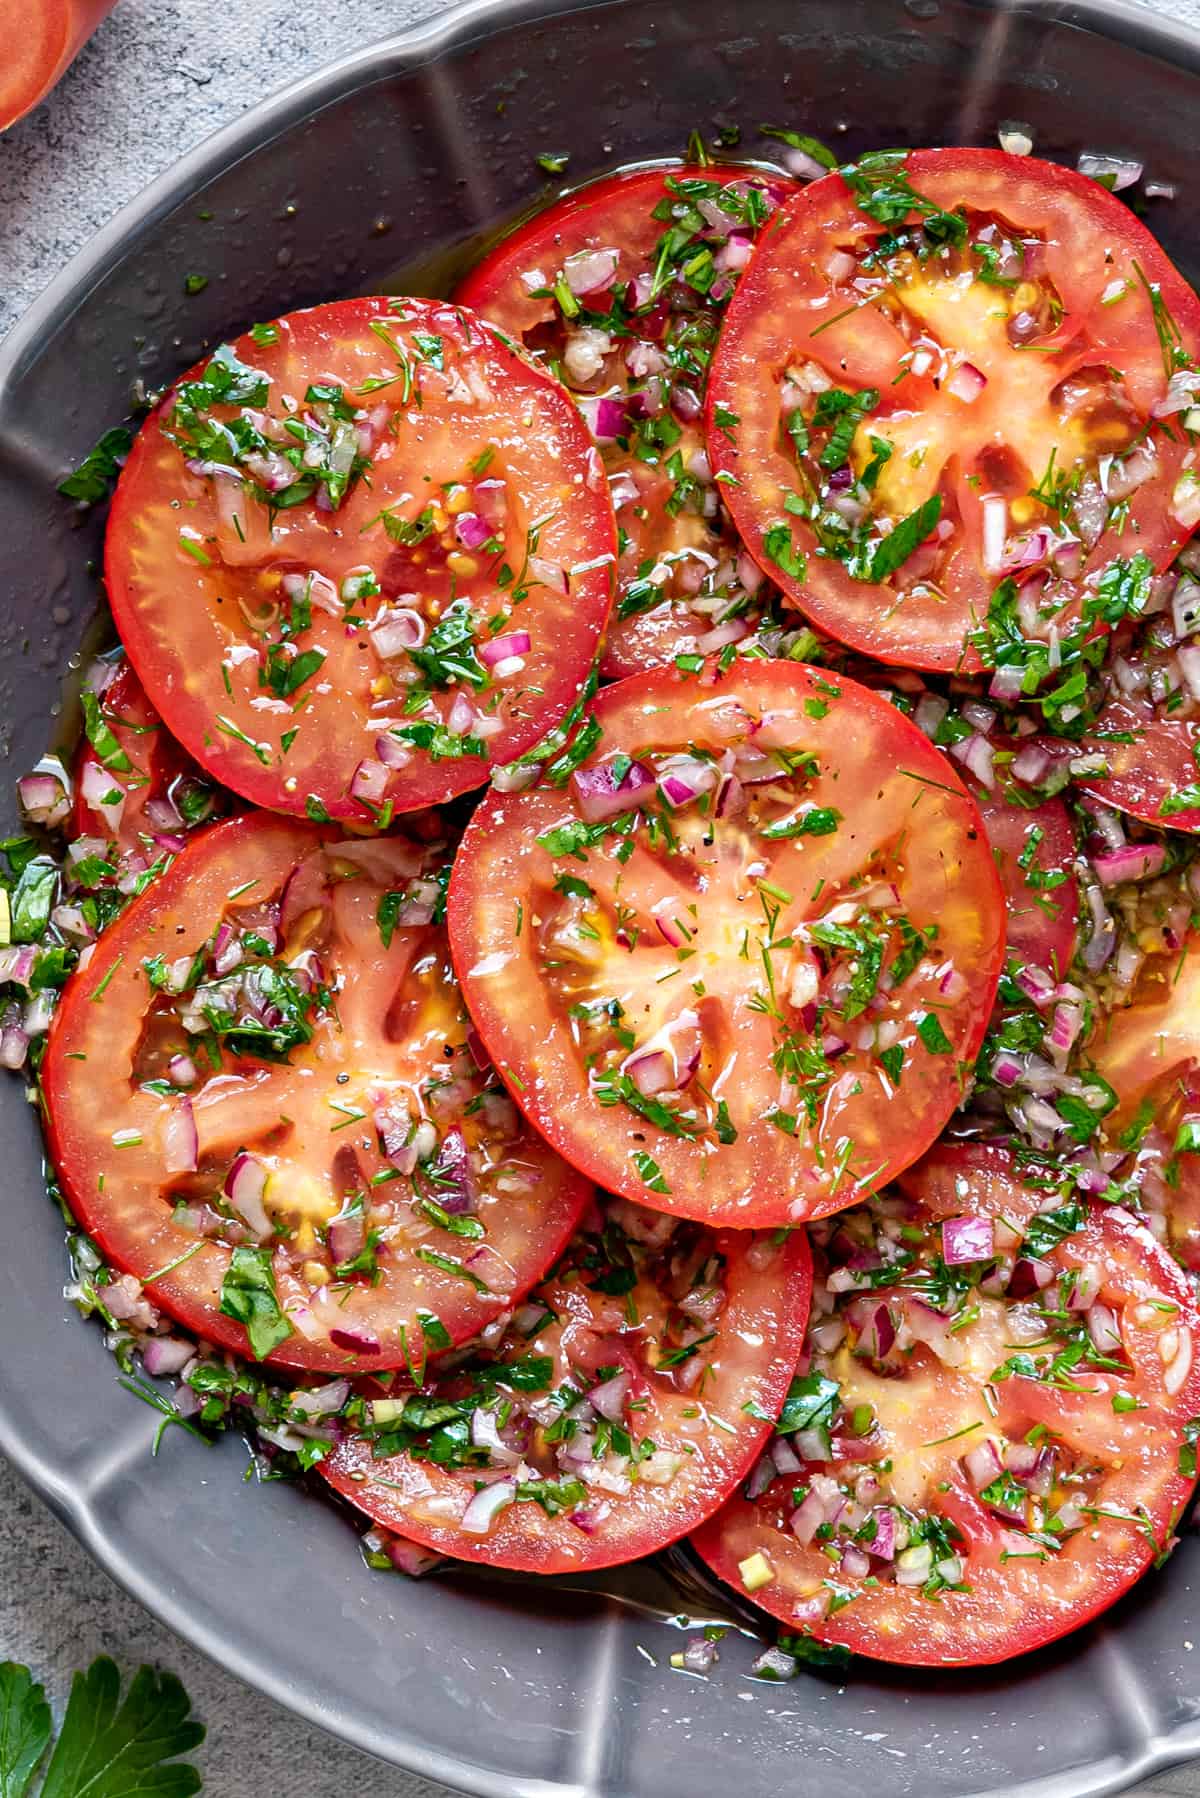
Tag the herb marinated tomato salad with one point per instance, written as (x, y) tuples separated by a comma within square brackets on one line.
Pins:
[(617, 962)]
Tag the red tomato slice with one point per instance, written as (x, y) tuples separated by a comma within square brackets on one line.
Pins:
[(136, 791), (746, 991), (1156, 1034), (1148, 729), (324, 1156), (989, 375), (621, 287), (641, 1378), (361, 556), (1163, 1164), (947, 1496), (1034, 849)]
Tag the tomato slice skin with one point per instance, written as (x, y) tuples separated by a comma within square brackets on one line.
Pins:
[(1162, 1165), (701, 909), (1156, 770), (788, 306), (757, 1335), (110, 1135), (1154, 1037), (158, 767), (1010, 1606), (617, 213), (1043, 924), (202, 604)]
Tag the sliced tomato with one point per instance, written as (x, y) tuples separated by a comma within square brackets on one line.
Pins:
[(136, 791), (946, 367), (1161, 1170), (361, 555), (1034, 849), (1155, 1034), (1148, 728), (261, 1103), (1033, 845), (737, 969), (628, 1397), (620, 287), (992, 1435)]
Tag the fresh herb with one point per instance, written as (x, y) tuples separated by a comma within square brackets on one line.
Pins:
[(101, 735), (248, 1295), (612, 1087), (882, 189), (811, 1404), (108, 1747), (99, 469), (799, 140)]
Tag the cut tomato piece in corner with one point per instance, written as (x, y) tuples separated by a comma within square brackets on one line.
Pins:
[(935, 405), (993, 1435), (263, 1102), (627, 1398)]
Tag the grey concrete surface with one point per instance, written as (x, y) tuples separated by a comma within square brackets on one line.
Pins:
[(159, 76)]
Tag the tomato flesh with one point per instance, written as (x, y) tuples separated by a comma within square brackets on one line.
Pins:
[(655, 254), (746, 993), (247, 1085), (976, 373), (1148, 727), (1162, 1166), (361, 557), (1034, 849), (1156, 1033), (138, 794), (643, 1373), (953, 1497)]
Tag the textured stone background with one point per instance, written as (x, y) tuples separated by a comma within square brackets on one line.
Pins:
[(159, 76)]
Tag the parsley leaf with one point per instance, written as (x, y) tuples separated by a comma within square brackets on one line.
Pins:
[(248, 1295), (107, 1747), (25, 1728), (101, 465)]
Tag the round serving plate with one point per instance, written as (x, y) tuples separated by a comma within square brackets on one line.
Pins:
[(410, 149)]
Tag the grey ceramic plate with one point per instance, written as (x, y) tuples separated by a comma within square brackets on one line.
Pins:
[(412, 147)]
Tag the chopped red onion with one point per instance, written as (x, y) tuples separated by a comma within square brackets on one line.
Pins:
[(45, 796), (1136, 861), (587, 271), (500, 649), (181, 1143), (162, 1355), (369, 783), (606, 418), (967, 1239), (1117, 172), (245, 1184), (395, 629), (807, 1518), (355, 1342), (1029, 1276), (1030, 764), (454, 1178), (976, 755), (471, 530), (966, 383), (1104, 1329), (347, 1237), (609, 1397), (486, 1505), (599, 794)]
